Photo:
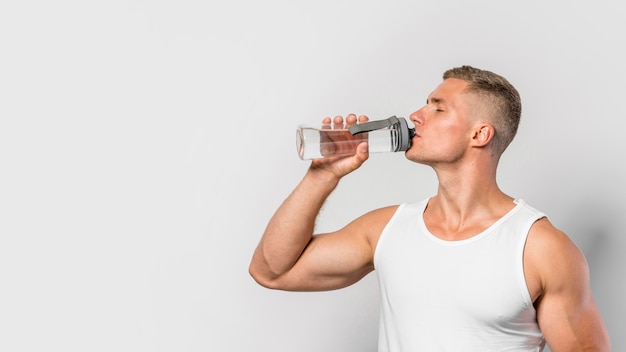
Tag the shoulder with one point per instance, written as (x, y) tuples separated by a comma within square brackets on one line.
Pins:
[(552, 259), (377, 218), (371, 224), (546, 243)]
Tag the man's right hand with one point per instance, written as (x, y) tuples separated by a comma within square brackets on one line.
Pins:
[(337, 167)]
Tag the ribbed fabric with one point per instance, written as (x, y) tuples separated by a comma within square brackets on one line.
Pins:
[(468, 295)]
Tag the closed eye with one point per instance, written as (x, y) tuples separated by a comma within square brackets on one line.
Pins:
[(437, 102)]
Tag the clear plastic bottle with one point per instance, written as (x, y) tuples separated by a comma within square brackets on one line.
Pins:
[(389, 135)]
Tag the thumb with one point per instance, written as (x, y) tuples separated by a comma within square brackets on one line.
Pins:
[(362, 151), (362, 148)]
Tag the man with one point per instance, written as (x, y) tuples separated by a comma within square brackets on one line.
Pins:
[(469, 269)]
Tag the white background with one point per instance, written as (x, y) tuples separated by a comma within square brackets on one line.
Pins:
[(145, 144)]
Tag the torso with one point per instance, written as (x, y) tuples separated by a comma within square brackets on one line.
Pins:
[(466, 268), (434, 225)]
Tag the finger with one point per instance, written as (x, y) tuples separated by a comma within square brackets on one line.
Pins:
[(363, 118), (350, 120), (338, 122)]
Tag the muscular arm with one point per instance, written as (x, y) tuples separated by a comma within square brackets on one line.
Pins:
[(289, 257), (566, 311)]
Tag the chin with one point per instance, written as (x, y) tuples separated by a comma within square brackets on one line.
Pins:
[(416, 158), (411, 156)]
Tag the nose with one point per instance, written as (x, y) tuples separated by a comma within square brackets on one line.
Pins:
[(417, 117)]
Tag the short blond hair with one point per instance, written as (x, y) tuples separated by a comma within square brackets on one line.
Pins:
[(500, 99)]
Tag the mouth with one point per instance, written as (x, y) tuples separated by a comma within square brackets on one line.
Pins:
[(413, 139)]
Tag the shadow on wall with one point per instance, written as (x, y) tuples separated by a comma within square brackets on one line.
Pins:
[(592, 226)]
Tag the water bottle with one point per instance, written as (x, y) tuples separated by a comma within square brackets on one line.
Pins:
[(389, 135)]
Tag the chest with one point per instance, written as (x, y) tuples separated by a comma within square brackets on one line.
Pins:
[(477, 284)]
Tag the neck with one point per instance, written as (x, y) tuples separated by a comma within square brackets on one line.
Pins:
[(468, 192)]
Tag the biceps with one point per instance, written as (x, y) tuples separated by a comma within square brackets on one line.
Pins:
[(571, 322), (330, 262)]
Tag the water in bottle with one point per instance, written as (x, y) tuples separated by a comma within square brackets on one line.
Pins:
[(389, 135)]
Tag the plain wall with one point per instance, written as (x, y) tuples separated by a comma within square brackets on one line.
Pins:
[(144, 145)]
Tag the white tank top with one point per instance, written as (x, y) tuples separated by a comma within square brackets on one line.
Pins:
[(468, 295)]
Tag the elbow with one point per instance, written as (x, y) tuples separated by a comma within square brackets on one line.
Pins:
[(257, 277), (262, 278), (266, 275)]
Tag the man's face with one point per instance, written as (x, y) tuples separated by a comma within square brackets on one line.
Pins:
[(442, 126)]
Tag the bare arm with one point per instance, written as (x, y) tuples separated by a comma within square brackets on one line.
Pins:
[(566, 311), (289, 257)]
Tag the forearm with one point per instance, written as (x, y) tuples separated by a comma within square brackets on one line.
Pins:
[(291, 228)]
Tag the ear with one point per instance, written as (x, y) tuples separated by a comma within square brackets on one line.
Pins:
[(483, 133)]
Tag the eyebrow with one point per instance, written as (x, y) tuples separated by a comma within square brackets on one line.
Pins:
[(435, 101)]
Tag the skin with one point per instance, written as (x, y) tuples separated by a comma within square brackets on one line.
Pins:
[(468, 200)]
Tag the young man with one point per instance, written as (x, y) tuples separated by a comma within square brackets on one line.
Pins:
[(469, 269)]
